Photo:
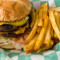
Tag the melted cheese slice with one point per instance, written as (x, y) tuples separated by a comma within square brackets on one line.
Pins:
[(1, 23), (3, 33), (21, 29)]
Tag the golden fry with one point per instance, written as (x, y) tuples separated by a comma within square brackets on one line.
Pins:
[(52, 31), (54, 25), (31, 35), (59, 15), (45, 9), (57, 19), (40, 21), (55, 36), (29, 47), (39, 29), (40, 39), (55, 9), (48, 35), (45, 47), (33, 18), (42, 12)]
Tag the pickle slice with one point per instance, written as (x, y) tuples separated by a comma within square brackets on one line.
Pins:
[(19, 23)]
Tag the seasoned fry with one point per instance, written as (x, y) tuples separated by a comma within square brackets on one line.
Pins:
[(42, 12), (55, 36), (57, 19), (54, 25), (45, 47), (40, 21), (29, 47), (48, 35), (39, 29), (33, 18), (59, 15), (45, 9), (31, 35), (40, 39), (55, 9), (52, 31)]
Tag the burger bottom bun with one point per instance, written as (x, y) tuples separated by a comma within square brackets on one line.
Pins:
[(16, 46), (7, 46)]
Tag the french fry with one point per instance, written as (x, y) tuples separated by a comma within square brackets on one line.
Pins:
[(33, 18), (40, 21), (39, 29), (48, 35), (52, 31), (45, 47), (55, 36), (34, 30), (59, 15), (45, 9), (55, 9), (56, 40), (53, 22), (56, 14), (29, 47), (42, 12), (40, 39)]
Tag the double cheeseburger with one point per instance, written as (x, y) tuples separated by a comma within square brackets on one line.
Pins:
[(14, 22)]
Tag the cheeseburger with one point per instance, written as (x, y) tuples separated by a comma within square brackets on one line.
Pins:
[(14, 22)]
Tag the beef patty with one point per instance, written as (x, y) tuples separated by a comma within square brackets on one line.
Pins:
[(7, 28)]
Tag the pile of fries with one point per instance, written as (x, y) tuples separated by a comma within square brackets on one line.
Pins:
[(45, 29)]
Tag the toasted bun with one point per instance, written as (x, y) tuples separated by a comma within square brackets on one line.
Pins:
[(12, 10), (11, 46), (8, 46), (8, 43)]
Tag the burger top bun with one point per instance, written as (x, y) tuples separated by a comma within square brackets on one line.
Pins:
[(14, 10)]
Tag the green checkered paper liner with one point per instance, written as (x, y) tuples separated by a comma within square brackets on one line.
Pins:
[(51, 54)]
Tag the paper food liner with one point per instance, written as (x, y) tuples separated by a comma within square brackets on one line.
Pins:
[(51, 54)]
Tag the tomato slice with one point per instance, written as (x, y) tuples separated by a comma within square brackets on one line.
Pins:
[(20, 41), (22, 38)]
